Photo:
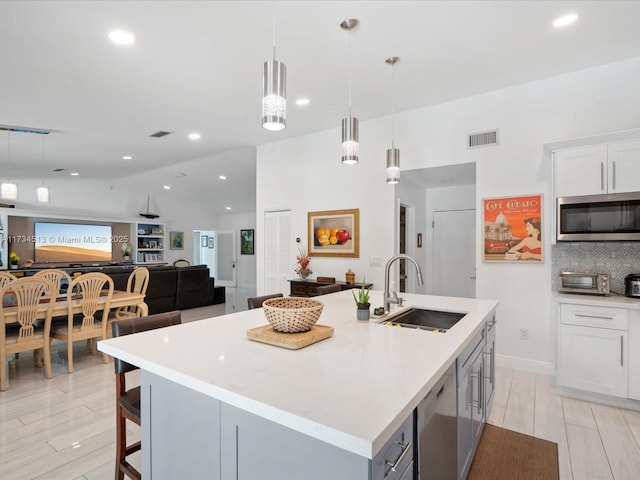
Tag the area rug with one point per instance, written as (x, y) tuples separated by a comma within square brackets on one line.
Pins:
[(506, 455)]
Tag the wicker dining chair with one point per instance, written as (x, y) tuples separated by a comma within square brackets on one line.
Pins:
[(5, 278), (137, 283), (256, 302), (128, 401), (55, 276), (34, 298), (93, 325)]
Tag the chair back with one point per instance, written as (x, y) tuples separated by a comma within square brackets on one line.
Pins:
[(138, 280), (256, 302), (142, 324), (55, 276), (323, 290), (182, 263), (31, 296), (90, 287), (5, 278)]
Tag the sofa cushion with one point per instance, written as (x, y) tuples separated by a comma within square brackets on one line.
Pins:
[(193, 287)]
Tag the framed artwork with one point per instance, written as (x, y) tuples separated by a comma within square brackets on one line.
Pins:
[(157, 231), (153, 244), (211, 243), (176, 240), (512, 229), (204, 241), (334, 233), (246, 242)]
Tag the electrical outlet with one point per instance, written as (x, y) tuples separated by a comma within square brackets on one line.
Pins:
[(524, 334)]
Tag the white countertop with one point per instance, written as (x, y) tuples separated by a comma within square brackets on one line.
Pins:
[(613, 300), (352, 390)]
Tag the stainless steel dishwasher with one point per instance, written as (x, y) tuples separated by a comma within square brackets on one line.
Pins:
[(436, 425)]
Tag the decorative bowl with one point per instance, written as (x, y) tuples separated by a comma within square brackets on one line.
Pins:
[(292, 314)]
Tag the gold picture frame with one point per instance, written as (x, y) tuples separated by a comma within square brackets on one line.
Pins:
[(334, 233)]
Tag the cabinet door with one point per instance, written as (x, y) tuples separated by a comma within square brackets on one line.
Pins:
[(581, 171), (624, 167), (180, 431), (634, 358), (465, 426), (593, 359), (255, 448)]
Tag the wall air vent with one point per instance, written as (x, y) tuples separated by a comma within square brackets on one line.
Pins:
[(482, 139), (159, 134)]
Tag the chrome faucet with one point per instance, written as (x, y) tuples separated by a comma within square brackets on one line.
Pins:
[(393, 298)]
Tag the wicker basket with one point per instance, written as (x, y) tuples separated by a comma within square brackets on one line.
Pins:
[(292, 314)]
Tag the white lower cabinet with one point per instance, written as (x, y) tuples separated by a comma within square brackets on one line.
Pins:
[(634, 355), (593, 349), (187, 434)]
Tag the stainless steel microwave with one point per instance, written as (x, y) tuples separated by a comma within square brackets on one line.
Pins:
[(598, 218)]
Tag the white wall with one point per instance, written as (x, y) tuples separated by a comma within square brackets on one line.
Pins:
[(305, 174), (415, 199)]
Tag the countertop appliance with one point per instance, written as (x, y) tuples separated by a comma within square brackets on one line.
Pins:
[(586, 283), (595, 218), (632, 285)]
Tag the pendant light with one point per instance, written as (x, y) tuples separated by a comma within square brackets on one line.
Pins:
[(393, 153), (350, 134), (274, 90), (42, 192), (8, 189)]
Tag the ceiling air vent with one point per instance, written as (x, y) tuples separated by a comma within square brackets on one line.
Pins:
[(159, 134), (482, 139)]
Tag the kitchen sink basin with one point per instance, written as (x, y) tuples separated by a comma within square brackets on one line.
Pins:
[(425, 319)]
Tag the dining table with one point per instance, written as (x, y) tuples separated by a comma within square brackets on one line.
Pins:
[(119, 298)]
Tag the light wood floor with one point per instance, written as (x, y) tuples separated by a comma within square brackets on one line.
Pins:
[(64, 428)]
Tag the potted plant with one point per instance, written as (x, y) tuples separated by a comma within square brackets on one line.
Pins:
[(126, 251), (362, 301), (14, 259), (303, 259)]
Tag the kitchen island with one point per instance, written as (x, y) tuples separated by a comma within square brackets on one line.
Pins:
[(336, 403)]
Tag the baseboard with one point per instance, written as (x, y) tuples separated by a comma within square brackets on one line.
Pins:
[(525, 364), (609, 400)]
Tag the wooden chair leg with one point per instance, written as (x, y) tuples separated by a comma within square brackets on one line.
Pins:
[(48, 371), (3, 370), (70, 355)]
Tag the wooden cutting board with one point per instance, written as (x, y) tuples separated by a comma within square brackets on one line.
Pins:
[(292, 341)]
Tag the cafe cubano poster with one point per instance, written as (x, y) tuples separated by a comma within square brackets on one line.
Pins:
[(513, 229)]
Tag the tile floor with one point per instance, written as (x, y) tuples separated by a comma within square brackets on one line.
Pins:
[(64, 428)]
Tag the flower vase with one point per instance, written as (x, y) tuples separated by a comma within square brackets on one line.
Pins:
[(304, 274), (14, 266), (363, 311)]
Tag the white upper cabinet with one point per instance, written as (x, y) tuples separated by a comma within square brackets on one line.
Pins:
[(596, 169)]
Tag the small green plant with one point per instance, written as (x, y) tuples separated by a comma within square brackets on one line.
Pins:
[(363, 294)]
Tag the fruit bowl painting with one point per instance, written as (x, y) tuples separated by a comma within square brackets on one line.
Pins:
[(334, 233)]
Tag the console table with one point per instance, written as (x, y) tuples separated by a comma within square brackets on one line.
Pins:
[(309, 287)]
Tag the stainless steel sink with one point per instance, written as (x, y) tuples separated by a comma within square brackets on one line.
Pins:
[(425, 319)]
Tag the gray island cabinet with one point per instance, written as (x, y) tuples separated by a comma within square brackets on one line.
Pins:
[(217, 405)]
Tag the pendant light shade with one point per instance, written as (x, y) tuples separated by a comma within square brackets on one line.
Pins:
[(42, 192), (393, 165), (350, 124), (274, 90), (8, 189), (274, 95), (350, 143), (393, 153)]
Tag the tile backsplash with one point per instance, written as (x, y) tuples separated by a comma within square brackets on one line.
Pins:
[(618, 259)]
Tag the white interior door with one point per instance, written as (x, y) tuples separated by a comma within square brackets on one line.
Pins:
[(278, 255), (454, 253), (225, 248)]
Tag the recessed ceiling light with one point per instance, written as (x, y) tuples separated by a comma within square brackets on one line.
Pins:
[(302, 101), (228, 208), (222, 177), (194, 136), (166, 187), (127, 157), (121, 37), (74, 174), (565, 20)]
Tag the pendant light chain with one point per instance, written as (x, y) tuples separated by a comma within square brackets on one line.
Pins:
[(350, 66), (393, 109)]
